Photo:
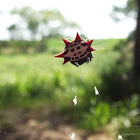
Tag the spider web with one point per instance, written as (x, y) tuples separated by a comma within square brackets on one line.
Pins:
[(130, 116)]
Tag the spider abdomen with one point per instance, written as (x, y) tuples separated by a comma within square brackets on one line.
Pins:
[(77, 51)]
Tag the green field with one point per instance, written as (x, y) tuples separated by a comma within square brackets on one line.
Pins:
[(44, 75), (31, 80)]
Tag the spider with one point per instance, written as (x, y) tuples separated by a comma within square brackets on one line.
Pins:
[(77, 51)]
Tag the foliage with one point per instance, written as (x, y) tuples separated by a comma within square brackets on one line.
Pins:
[(133, 8), (37, 24), (97, 116), (119, 75), (129, 10), (129, 122), (20, 46), (29, 79), (120, 45)]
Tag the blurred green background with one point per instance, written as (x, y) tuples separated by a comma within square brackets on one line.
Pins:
[(30, 76)]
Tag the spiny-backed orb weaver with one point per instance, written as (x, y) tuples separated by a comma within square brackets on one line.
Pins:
[(77, 51)]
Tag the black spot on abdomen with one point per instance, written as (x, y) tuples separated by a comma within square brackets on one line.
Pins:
[(78, 47), (82, 55), (83, 44), (72, 50), (66, 51), (73, 44)]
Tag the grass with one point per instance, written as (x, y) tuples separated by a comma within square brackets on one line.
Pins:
[(43, 75), (35, 79)]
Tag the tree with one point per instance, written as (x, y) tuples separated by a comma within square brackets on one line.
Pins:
[(129, 10), (137, 51), (38, 25), (12, 29), (132, 9)]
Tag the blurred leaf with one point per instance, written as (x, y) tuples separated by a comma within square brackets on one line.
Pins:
[(129, 10), (40, 23)]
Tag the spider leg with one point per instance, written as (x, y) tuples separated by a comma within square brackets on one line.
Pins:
[(87, 60), (80, 62), (90, 56), (75, 64)]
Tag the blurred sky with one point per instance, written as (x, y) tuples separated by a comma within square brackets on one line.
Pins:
[(91, 15)]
